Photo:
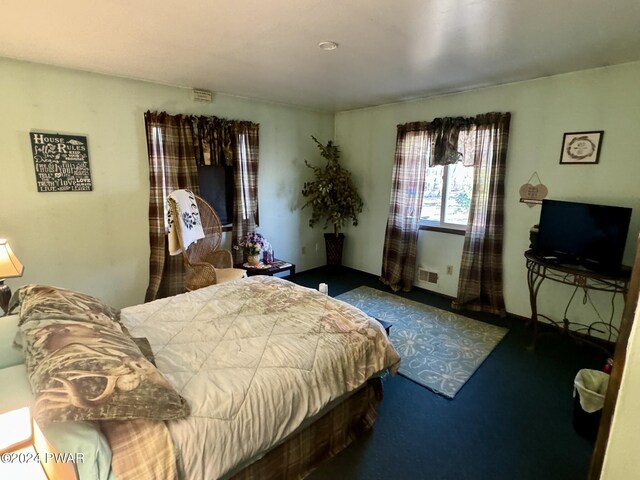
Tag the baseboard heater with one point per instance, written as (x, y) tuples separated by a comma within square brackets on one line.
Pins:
[(428, 276)]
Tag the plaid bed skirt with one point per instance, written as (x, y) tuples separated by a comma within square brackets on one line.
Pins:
[(301, 454)]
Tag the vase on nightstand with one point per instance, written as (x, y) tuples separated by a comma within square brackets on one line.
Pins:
[(253, 260), (267, 256)]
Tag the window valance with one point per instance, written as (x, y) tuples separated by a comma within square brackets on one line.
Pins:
[(452, 138), (212, 136)]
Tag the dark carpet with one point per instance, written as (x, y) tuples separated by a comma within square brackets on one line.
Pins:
[(511, 420)]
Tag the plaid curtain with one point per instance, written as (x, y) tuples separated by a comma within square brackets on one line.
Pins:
[(212, 141), (172, 166), (480, 283), (413, 148), (176, 144), (445, 145), (245, 148)]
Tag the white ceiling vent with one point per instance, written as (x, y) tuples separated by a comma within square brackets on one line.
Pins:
[(428, 275)]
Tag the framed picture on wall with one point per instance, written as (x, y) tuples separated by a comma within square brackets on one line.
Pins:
[(581, 147)]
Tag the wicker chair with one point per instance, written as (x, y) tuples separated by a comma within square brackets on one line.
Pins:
[(204, 263)]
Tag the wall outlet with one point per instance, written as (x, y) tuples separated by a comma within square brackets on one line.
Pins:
[(303, 250), (317, 247), (449, 269)]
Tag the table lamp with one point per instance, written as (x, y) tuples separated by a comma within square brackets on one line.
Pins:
[(10, 267)]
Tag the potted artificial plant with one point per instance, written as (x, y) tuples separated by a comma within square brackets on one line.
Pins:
[(333, 198)]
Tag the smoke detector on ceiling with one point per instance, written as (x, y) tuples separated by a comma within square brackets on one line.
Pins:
[(328, 45)]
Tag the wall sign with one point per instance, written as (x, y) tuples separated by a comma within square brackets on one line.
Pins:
[(61, 162), (533, 194)]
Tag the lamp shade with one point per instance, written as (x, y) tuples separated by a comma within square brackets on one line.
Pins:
[(10, 266)]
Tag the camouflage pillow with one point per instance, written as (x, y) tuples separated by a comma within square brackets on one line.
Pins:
[(40, 302), (84, 371), (145, 347)]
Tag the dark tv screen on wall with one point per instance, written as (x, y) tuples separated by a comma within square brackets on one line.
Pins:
[(590, 235)]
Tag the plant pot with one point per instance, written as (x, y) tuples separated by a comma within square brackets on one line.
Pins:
[(334, 245), (253, 260)]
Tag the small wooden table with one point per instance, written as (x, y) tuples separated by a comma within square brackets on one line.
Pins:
[(276, 266)]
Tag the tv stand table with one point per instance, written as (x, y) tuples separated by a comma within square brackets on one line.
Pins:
[(540, 269)]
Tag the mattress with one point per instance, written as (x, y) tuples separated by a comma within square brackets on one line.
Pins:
[(14, 380), (255, 358), (10, 354)]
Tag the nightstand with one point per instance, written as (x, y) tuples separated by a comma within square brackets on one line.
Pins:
[(276, 266)]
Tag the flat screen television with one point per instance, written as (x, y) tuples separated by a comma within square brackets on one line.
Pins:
[(585, 234)]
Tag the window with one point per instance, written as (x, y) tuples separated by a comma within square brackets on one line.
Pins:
[(423, 196), (447, 196), (218, 182), (171, 139), (216, 187)]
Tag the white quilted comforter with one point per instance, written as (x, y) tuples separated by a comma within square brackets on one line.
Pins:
[(254, 358)]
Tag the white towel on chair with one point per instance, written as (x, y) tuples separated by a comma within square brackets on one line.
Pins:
[(189, 218)]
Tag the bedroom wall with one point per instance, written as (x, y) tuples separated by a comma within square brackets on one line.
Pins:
[(542, 111), (97, 242)]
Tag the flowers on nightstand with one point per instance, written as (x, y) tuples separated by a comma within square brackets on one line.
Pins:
[(252, 244)]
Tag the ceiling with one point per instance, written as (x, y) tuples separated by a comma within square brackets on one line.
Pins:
[(389, 50)]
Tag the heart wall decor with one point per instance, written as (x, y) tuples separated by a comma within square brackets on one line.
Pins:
[(533, 194)]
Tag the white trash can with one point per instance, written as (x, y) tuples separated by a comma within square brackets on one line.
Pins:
[(589, 390)]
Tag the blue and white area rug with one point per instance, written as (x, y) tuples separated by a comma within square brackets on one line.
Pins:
[(440, 350)]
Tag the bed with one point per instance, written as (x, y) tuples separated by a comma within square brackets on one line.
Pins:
[(257, 378)]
